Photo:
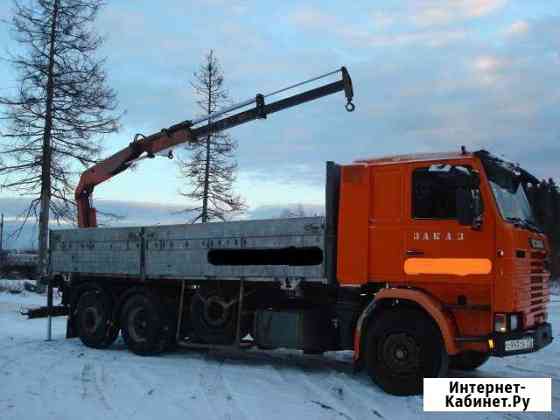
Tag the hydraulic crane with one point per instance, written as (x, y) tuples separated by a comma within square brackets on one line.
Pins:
[(191, 130)]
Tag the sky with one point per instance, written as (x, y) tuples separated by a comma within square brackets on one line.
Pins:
[(428, 75)]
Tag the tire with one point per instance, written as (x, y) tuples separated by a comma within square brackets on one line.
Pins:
[(213, 321), (469, 360), (145, 328), (94, 319), (403, 346)]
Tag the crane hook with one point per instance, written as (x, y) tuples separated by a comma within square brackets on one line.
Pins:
[(350, 107)]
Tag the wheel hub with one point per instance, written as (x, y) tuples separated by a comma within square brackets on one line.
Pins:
[(401, 353), (216, 311), (91, 319), (138, 324)]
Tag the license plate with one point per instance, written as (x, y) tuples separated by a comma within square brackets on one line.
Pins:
[(520, 344)]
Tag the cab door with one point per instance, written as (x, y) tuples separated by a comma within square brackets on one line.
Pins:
[(438, 250), (386, 217)]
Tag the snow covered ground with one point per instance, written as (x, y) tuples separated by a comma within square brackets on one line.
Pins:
[(63, 379)]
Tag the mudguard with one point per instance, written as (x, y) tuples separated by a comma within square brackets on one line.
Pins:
[(428, 303)]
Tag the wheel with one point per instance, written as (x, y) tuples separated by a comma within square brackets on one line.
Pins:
[(403, 346), (213, 315), (94, 319), (145, 328), (469, 360)]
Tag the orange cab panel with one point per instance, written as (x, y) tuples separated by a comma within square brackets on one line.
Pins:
[(385, 224), (352, 258)]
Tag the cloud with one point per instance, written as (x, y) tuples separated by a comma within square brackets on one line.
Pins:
[(437, 12), (487, 64), (426, 38), (489, 69), (481, 7), (424, 13), (375, 33), (521, 27)]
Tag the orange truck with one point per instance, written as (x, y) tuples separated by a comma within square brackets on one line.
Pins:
[(421, 262)]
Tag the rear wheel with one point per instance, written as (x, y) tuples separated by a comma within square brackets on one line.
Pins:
[(403, 346), (146, 330), (94, 319), (469, 360)]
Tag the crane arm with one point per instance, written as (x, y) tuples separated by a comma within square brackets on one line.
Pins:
[(186, 131)]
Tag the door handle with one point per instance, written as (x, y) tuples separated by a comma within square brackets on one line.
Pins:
[(414, 252)]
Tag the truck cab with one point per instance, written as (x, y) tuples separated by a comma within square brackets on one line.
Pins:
[(453, 234)]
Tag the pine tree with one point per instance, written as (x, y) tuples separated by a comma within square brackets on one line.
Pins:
[(61, 104), (554, 228), (210, 169), (545, 202)]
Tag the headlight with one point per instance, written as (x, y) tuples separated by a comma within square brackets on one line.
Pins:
[(500, 323), (513, 322)]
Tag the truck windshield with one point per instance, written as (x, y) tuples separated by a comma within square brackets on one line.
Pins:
[(507, 184), (513, 205)]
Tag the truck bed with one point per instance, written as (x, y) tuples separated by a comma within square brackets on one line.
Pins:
[(258, 250)]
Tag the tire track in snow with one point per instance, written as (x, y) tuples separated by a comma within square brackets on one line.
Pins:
[(48, 393), (234, 394), (338, 396), (85, 378), (100, 387), (18, 344), (7, 361), (280, 370), (90, 385), (364, 396), (415, 405), (343, 384), (140, 379), (321, 394), (328, 407), (215, 391)]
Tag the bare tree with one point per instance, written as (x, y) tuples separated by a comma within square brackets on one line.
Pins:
[(210, 170), (61, 104)]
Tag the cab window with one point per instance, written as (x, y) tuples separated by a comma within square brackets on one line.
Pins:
[(432, 197)]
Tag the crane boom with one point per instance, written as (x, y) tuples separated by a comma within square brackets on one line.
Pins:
[(147, 146)]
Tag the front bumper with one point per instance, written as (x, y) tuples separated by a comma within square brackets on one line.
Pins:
[(519, 342)]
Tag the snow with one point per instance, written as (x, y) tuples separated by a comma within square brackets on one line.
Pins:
[(63, 379), (15, 286)]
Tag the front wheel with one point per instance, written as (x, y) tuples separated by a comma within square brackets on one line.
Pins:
[(404, 346), (469, 360)]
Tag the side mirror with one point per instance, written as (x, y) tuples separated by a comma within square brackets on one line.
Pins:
[(478, 209)]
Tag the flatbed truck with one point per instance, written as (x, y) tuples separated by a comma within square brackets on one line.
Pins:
[(421, 262)]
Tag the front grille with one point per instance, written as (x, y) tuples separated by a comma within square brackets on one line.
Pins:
[(537, 292)]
